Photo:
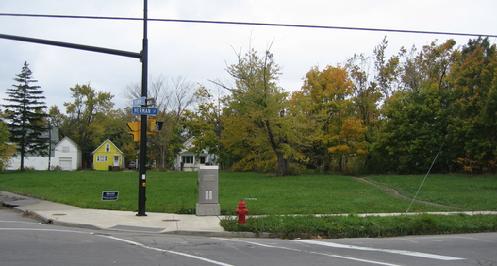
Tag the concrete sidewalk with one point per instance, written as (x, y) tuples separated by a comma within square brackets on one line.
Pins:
[(56, 213), (62, 214)]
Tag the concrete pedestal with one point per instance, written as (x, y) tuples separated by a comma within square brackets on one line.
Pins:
[(208, 209)]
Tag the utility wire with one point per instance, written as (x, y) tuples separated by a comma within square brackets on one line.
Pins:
[(423, 182), (252, 24)]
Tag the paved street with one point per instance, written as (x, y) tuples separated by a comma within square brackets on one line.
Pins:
[(24, 241)]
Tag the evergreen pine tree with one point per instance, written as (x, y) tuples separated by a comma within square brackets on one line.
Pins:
[(25, 115)]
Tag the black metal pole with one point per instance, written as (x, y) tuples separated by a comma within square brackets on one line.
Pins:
[(72, 46), (142, 179), (49, 143)]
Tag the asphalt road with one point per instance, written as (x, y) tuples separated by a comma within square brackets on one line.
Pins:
[(24, 241)]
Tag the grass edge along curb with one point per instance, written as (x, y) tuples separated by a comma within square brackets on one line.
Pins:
[(352, 226)]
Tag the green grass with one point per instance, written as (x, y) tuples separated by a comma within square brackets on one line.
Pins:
[(352, 226), (460, 191), (176, 192)]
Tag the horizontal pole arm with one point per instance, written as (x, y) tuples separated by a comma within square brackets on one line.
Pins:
[(73, 46)]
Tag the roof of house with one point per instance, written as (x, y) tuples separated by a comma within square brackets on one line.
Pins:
[(103, 144), (188, 146), (68, 139)]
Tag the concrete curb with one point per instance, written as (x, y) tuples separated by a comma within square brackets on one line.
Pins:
[(46, 220)]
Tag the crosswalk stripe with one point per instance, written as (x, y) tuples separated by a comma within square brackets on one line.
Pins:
[(392, 251)]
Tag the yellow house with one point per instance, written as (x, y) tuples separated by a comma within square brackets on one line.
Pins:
[(107, 154)]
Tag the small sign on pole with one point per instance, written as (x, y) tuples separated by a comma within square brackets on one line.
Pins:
[(110, 195), (139, 101)]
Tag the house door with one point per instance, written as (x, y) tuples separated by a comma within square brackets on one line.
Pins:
[(116, 160)]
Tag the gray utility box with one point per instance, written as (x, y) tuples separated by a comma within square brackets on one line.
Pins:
[(208, 188)]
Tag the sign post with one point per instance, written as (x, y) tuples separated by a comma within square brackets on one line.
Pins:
[(143, 56), (142, 171)]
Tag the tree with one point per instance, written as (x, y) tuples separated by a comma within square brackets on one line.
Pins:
[(256, 129), (25, 115), (414, 119), (85, 119), (6, 149), (367, 96), (387, 70), (56, 117), (204, 123), (333, 131), (472, 125)]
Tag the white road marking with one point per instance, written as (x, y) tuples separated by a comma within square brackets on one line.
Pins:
[(356, 259), (43, 229), (18, 222), (165, 250), (119, 239), (467, 238), (392, 251), (310, 252)]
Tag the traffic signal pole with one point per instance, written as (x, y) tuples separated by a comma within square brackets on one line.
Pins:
[(142, 178), (143, 56)]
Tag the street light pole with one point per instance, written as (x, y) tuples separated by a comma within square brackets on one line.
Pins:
[(142, 181)]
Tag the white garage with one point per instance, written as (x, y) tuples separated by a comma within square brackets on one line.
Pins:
[(67, 155), (65, 163)]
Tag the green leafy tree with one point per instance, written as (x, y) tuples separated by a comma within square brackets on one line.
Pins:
[(6, 149), (56, 117), (472, 125), (414, 119), (85, 122), (256, 130), (204, 123), (25, 115)]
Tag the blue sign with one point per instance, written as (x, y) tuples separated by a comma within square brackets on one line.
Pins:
[(144, 111), (139, 101), (110, 195)]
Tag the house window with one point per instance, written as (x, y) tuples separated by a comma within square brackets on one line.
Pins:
[(187, 159), (107, 147), (202, 159), (65, 149), (102, 158)]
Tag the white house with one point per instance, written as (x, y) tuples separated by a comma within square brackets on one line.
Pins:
[(186, 160), (67, 155)]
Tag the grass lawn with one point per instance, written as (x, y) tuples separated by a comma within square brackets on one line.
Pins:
[(176, 192), (461, 191)]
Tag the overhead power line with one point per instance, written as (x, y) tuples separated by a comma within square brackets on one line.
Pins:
[(254, 24)]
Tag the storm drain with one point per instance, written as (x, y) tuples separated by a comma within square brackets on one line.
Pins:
[(137, 228)]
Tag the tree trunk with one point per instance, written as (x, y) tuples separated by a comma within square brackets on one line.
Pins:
[(282, 163), (23, 147)]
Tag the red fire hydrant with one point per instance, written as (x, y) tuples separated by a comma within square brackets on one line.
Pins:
[(242, 212)]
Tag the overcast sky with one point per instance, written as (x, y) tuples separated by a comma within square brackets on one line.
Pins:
[(201, 52)]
